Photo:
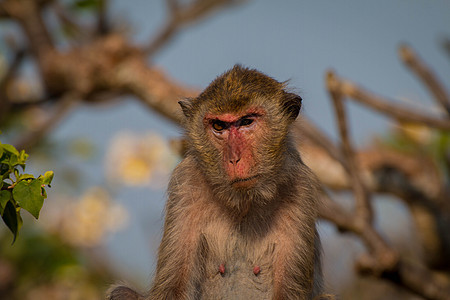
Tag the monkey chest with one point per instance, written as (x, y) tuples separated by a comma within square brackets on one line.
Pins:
[(234, 271)]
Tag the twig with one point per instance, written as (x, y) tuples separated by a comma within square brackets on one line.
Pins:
[(180, 16), (386, 258), (421, 281), (3, 11), (67, 21), (446, 45), (363, 207), (28, 14), (306, 128), (103, 27), (387, 107), (331, 211), (430, 80), (173, 6)]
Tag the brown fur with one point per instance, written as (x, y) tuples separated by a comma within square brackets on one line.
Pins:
[(250, 240)]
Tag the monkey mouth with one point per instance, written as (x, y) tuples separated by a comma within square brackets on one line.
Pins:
[(244, 181)]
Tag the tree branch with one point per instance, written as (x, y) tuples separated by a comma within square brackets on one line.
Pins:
[(384, 262), (180, 16), (71, 26), (103, 26), (28, 14), (153, 88), (430, 80), (363, 207), (306, 128), (387, 107)]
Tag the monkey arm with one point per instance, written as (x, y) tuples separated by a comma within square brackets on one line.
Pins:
[(178, 270), (294, 267), (297, 266)]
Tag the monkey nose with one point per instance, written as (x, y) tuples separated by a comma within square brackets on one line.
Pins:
[(234, 161)]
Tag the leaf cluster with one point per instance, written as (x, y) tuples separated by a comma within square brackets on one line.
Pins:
[(18, 189)]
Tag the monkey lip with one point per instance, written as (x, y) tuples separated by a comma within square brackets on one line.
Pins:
[(245, 181)]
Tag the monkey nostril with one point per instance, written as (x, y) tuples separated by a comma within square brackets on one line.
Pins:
[(234, 161)]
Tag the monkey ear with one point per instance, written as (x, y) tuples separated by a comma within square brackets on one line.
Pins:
[(186, 107), (292, 105)]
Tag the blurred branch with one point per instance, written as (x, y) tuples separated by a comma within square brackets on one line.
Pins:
[(384, 262), (383, 258), (307, 129), (446, 45), (68, 23), (363, 207), (420, 281), (396, 111), (418, 67), (181, 15), (3, 10), (173, 6), (29, 14), (103, 26), (153, 88)]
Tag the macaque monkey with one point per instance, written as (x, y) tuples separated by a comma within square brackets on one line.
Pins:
[(241, 209)]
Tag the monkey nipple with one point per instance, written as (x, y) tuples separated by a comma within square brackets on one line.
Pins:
[(256, 270), (222, 269)]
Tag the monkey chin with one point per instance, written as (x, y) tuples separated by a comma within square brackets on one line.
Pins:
[(247, 182)]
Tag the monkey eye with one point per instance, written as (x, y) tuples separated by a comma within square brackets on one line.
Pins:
[(246, 122), (218, 125)]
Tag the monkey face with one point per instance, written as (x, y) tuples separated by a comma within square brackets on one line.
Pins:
[(235, 137), (237, 132)]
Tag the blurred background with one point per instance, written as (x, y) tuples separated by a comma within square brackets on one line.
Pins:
[(89, 88)]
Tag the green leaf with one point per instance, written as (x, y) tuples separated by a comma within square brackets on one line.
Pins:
[(28, 195), (87, 4), (12, 219), (4, 170), (44, 193), (5, 196), (4, 185), (22, 159), (13, 160), (47, 178), (11, 149), (24, 177)]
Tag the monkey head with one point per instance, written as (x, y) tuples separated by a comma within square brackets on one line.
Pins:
[(237, 129)]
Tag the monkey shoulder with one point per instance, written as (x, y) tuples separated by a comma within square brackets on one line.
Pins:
[(303, 182), (187, 187), (183, 175)]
